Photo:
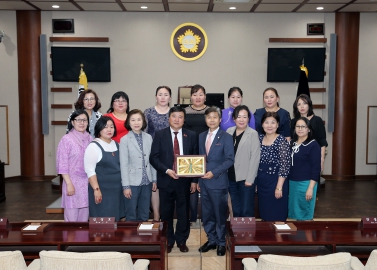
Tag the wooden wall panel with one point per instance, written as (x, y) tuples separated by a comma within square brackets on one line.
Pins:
[(347, 58), (29, 85)]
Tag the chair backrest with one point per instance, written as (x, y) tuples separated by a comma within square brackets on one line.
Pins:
[(12, 260), (64, 260), (372, 261), (337, 261)]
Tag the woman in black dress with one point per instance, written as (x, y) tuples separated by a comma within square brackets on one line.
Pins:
[(303, 107)]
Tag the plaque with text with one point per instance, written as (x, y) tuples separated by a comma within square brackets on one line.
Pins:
[(190, 165), (242, 222), (369, 222), (3, 223), (102, 222)]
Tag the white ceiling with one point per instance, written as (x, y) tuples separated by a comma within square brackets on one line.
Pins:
[(194, 5)]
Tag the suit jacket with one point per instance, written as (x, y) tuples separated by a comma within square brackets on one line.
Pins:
[(219, 159), (131, 162), (162, 154), (248, 155)]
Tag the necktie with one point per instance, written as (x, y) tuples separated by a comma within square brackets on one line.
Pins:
[(175, 150), (176, 145), (209, 142)]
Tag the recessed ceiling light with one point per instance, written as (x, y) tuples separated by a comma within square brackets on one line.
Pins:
[(55, 6), (319, 8), (143, 7), (232, 8)]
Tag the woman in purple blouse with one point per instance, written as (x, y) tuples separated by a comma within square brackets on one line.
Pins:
[(70, 164), (235, 99)]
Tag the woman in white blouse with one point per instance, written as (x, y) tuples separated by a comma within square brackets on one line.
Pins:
[(102, 167)]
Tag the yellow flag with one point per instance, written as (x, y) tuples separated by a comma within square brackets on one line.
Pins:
[(83, 81)]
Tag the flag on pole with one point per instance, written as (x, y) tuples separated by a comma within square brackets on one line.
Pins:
[(303, 85), (83, 81)]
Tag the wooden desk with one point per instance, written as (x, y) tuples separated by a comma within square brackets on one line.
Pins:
[(76, 236), (311, 239)]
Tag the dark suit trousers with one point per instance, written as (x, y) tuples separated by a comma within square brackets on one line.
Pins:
[(214, 209), (176, 194)]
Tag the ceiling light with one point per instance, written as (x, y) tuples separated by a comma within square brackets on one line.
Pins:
[(319, 8), (143, 7), (55, 6), (232, 8)]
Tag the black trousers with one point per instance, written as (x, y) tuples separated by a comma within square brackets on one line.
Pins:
[(177, 195)]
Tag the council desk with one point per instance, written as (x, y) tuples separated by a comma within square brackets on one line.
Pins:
[(78, 237), (312, 238)]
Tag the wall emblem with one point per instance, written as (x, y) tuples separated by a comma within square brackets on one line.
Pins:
[(189, 41)]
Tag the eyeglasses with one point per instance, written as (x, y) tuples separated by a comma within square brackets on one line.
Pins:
[(301, 127), (89, 99), (78, 120), (120, 101)]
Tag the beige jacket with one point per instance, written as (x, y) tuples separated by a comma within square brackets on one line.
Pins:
[(248, 155)]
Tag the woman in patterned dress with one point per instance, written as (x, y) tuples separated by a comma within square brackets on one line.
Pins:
[(70, 164), (157, 118), (275, 162), (88, 101)]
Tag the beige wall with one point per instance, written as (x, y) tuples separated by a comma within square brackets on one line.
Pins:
[(141, 60), (9, 89)]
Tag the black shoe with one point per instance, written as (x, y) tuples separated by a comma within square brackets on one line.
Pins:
[(170, 247), (183, 247), (207, 247), (220, 250)]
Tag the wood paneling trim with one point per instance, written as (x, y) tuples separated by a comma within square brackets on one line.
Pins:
[(57, 89), (317, 90), (298, 40), (319, 106), (79, 39), (330, 177), (59, 123), (61, 106)]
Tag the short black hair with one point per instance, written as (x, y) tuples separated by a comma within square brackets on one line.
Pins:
[(74, 115), (196, 88), (116, 96), (233, 89), (307, 100), (177, 109), (240, 108), (80, 101), (135, 111), (213, 109), (310, 134), (101, 124), (269, 114)]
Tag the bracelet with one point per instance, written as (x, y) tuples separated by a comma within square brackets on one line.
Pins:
[(280, 189)]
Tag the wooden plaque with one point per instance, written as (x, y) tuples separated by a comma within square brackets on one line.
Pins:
[(242, 222), (102, 222), (369, 222), (3, 223)]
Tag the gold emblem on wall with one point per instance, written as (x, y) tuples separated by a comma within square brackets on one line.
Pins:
[(189, 41)]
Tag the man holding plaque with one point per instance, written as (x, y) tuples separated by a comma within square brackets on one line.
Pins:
[(213, 186), (174, 191)]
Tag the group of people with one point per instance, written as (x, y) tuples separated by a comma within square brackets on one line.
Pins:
[(121, 163)]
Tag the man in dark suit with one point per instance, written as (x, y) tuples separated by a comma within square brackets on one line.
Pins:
[(213, 186), (174, 191)]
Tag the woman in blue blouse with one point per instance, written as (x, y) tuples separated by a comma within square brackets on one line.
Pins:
[(271, 104), (157, 118), (275, 162), (235, 99), (304, 173)]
